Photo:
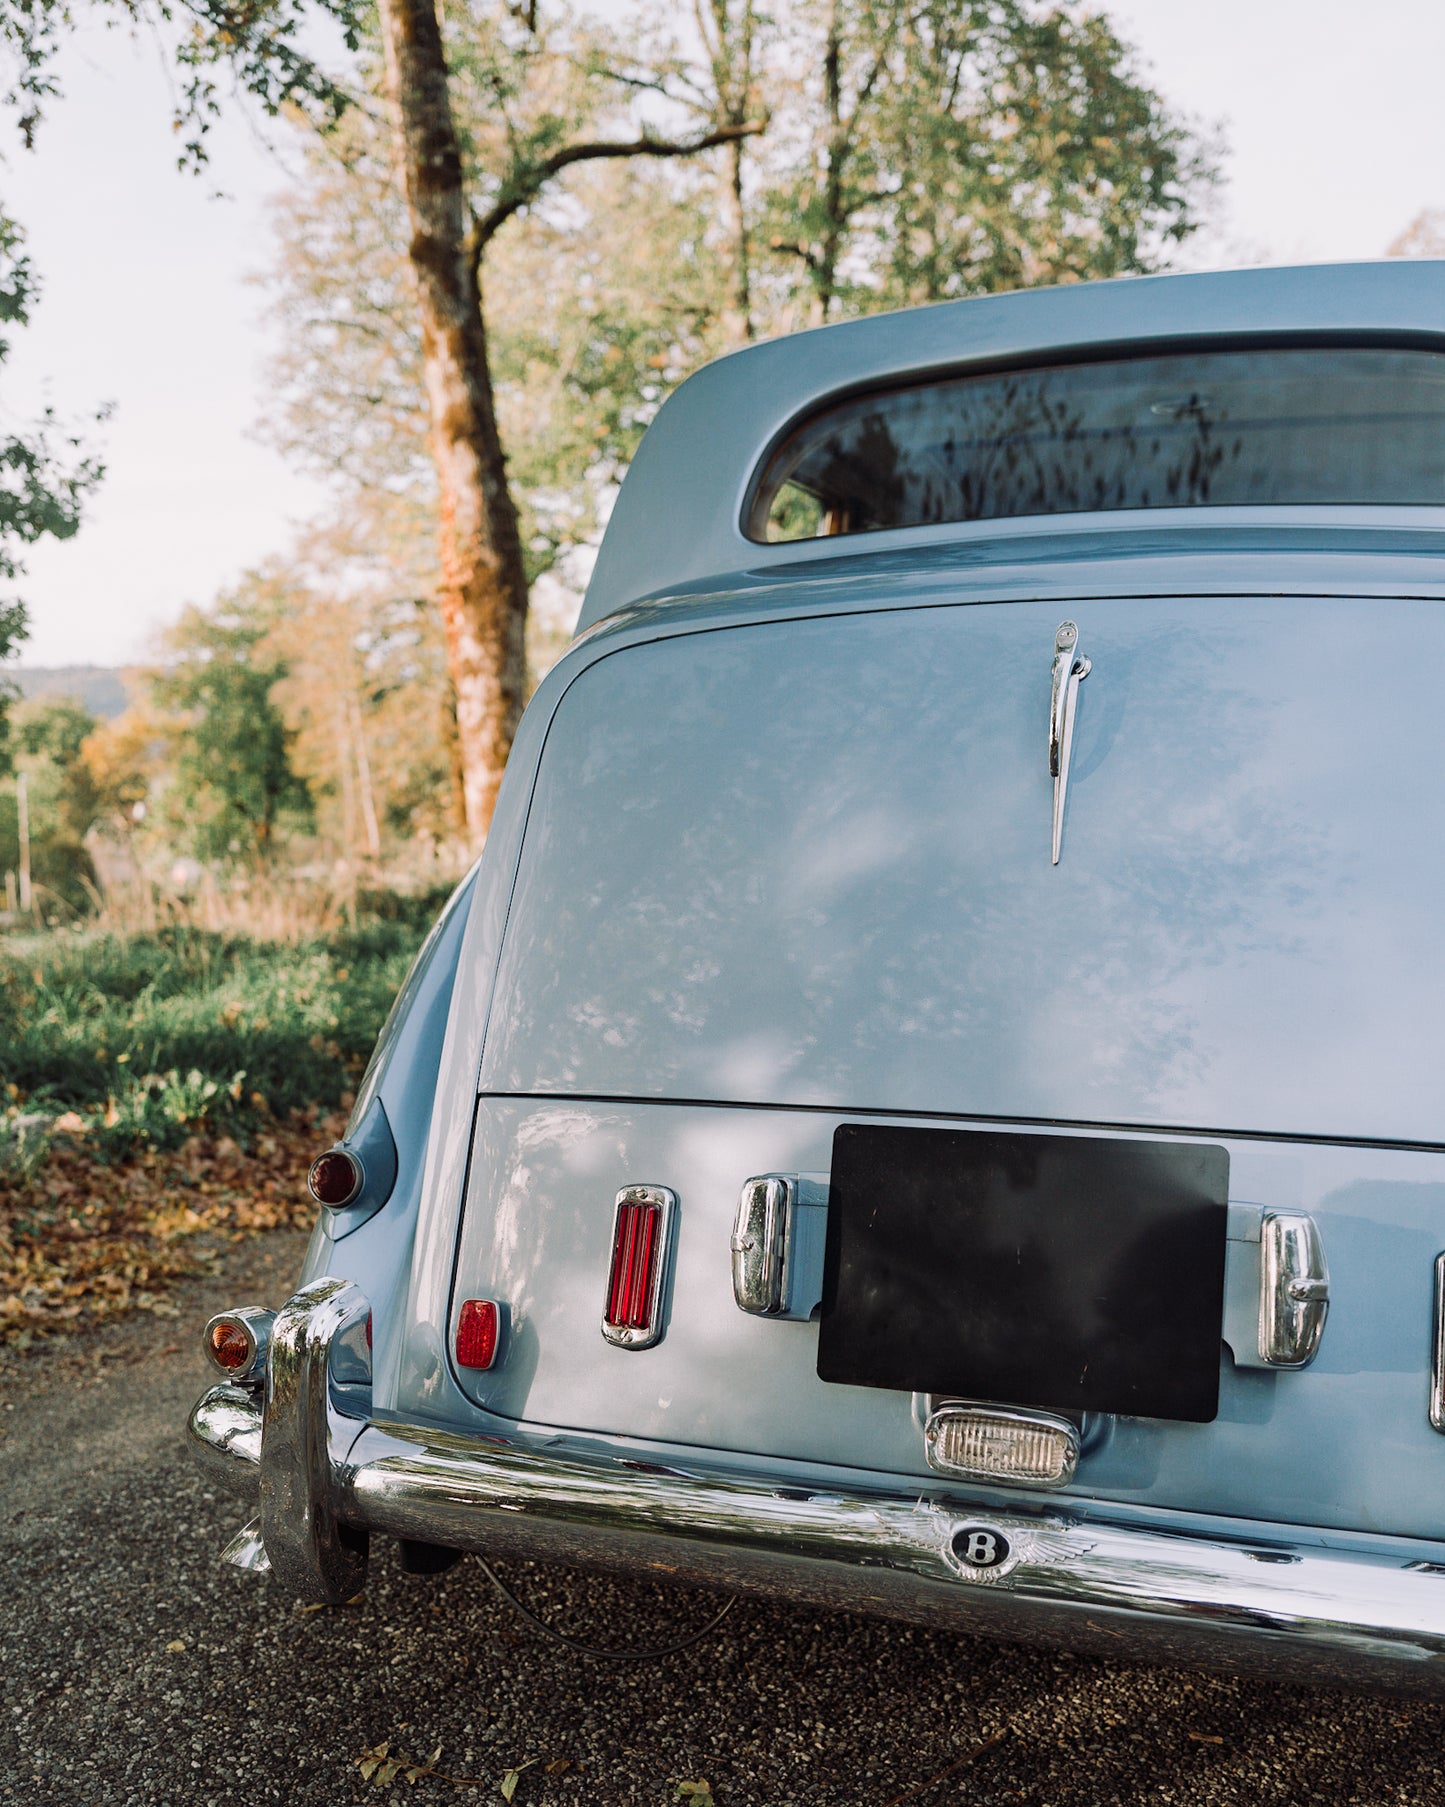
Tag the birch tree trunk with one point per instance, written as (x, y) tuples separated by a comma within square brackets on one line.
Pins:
[(483, 595), (728, 29)]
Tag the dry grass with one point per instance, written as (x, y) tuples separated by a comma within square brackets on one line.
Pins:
[(278, 907), (165, 1086)]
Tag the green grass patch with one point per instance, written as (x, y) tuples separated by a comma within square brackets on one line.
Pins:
[(146, 1036)]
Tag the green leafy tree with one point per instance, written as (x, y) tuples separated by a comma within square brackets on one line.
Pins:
[(959, 147), (365, 696), (232, 792), (43, 473), (258, 46), (454, 219), (593, 312), (48, 736), (262, 47)]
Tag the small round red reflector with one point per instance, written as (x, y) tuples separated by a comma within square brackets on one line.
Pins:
[(477, 1330), (335, 1177), (230, 1345)]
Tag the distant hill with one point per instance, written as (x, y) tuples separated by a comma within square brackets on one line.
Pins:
[(100, 687)]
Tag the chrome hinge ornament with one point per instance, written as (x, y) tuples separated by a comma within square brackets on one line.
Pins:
[(1294, 1292), (1070, 670), (777, 1244)]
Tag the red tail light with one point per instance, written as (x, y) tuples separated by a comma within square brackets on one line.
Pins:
[(478, 1332), (633, 1316), (335, 1177)]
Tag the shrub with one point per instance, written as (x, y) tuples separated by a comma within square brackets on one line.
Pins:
[(147, 1036)]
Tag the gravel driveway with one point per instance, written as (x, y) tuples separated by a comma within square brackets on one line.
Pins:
[(135, 1669)]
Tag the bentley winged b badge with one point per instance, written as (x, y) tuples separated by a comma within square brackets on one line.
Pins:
[(1070, 670)]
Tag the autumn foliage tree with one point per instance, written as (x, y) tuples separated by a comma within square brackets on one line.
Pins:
[(473, 195), (231, 785), (482, 592), (829, 157)]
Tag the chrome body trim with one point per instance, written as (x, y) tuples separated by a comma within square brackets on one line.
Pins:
[(247, 1550), (1005, 1417), (1294, 1289), (626, 1336), (310, 1551), (1437, 1350), (1269, 1598), (225, 1435)]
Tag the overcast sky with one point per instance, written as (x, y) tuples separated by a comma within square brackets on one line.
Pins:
[(1332, 114)]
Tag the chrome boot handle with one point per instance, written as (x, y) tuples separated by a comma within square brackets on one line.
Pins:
[(1070, 670)]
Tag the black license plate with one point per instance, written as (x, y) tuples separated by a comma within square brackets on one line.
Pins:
[(1077, 1273)]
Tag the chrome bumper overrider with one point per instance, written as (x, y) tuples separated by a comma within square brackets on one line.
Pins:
[(323, 1481)]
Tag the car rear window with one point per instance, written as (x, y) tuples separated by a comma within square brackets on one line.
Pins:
[(1345, 424)]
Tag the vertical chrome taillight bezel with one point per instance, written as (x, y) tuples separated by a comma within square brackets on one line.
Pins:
[(664, 1201)]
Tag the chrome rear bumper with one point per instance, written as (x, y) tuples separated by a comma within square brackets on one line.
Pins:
[(1287, 1608)]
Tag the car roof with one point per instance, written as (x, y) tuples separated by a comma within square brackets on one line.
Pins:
[(678, 518)]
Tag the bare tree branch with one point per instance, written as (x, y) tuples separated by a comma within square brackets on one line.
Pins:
[(810, 258), (523, 188)]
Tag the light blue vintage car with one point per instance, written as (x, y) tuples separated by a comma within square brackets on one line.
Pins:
[(933, 1099)]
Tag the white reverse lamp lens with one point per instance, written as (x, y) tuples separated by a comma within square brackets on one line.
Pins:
[(981, 1443)]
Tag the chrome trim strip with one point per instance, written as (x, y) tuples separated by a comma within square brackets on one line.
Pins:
[(225, 1435), (247, 1551), (1437, 1351)]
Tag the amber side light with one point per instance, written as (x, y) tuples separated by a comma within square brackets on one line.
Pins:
[(230, 1345)]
